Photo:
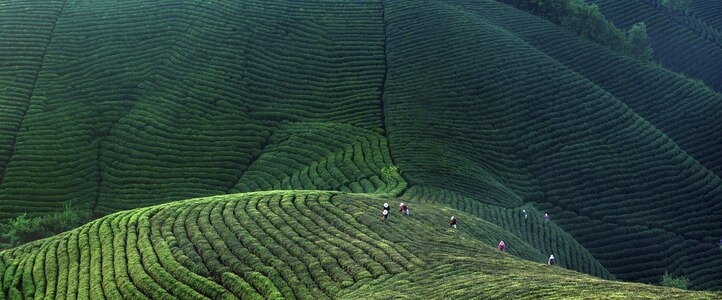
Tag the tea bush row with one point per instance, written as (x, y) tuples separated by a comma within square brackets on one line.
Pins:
[(255, 245), (321, 156), (546, 237), (709, 11)]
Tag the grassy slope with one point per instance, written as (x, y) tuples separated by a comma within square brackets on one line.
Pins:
[(295, 244)]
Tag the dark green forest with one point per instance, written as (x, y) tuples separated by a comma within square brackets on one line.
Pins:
[(244, 149)]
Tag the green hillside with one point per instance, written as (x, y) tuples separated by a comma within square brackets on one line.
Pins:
[(294, 245), (522, 124), (138, 103), (301, 117)]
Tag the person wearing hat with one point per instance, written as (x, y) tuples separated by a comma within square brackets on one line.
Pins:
[(404, 209), (453, 222), (551, 260)]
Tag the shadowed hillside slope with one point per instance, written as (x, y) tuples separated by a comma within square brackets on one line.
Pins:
[(686, 41), (293, 245), (502, 119), (469, 107), (708, 10)]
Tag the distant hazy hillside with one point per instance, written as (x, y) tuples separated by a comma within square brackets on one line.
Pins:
[(709, 11), (484, 109), (686, 40)]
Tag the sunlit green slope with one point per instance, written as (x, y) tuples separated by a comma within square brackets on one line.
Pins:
[(133, 103), (294, 244)]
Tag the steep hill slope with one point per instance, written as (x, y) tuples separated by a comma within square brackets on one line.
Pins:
[(293, 244), (133, 103), (486, 109)]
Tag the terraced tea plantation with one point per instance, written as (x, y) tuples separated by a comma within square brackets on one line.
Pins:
[(243, 149), (291, 245)]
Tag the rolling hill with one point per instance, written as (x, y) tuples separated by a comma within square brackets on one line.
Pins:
[(295, 117), (305, 245)]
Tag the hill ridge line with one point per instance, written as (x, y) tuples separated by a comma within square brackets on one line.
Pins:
[(386, 71), (100, 176), (382, 90), (254, 159)]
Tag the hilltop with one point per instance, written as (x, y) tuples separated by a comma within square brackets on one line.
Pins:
[(466, 107)]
